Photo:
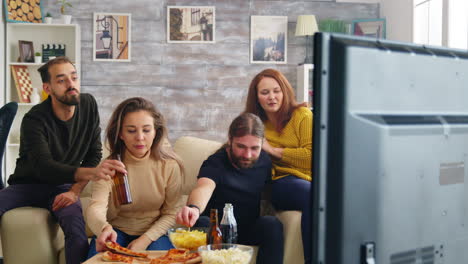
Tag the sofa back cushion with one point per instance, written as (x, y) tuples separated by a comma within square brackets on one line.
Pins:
[(193, 151)]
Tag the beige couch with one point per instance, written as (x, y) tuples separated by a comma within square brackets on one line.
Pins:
[(34, 229)]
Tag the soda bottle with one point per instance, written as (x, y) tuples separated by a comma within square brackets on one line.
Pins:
[(122, 187), (214, 234), (229, 225)]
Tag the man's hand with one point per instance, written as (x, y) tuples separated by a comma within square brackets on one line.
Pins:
[(63, 200), (106, 169), (108, 234), (140, 243), (187, 216)]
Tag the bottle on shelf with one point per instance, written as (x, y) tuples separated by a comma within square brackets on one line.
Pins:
[(229, 225), (122, 187), (214, 233)]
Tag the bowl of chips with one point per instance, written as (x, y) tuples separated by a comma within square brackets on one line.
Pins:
[(188, 238), (226, 253)]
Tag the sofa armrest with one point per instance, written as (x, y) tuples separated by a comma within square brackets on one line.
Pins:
[(293, 249), (31, 229)]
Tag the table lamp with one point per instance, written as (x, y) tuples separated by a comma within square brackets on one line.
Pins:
[(307, 26)]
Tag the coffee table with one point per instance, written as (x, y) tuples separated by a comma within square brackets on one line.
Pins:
[(151, 253)]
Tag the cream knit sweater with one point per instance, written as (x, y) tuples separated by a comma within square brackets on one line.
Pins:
[(155, 187)]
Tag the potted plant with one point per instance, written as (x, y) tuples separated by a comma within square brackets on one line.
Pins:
[(37, 57), (64, 4), (48, 18)]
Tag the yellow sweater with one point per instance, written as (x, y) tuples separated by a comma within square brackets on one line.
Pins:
[(296, 139), (155, 187)]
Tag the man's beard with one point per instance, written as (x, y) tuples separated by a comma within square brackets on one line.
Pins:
[(238, 160), (68, 99)]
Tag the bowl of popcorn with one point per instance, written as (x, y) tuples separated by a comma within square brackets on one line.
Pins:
[(226, 254), (188, 238)]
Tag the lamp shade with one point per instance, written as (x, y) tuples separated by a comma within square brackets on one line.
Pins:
[(106, 39), (306, 25)]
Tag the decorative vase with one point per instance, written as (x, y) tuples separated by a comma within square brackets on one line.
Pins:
[(35, 98), (37, 59), (66, 19), (48, 20)]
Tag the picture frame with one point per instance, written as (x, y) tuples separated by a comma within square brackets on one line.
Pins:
[(373, 28), (112, 37), (26, 51), (191, 24), (269, 39), (16, 13)]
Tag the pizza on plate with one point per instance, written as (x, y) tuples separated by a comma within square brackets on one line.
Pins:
[(114, 257), (115, 247), (178, 256)]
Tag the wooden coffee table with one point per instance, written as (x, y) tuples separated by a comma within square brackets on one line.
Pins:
[(151, 253)]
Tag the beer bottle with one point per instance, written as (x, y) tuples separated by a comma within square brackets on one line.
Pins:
[(229, 225), (122, 187), (214, 234)]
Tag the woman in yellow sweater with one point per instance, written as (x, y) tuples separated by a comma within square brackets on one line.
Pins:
[(137, 132), (288, 133)]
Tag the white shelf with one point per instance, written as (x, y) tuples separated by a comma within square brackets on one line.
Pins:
[(41, 25), (25, 64)]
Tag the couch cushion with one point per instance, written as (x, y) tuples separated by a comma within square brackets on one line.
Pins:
[(42, 242), (193, 151)]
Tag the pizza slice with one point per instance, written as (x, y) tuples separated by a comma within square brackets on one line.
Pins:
[(115, 247), (114, 257), (178, 256)]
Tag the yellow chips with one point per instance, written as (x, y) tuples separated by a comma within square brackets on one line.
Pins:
[(187, 239)]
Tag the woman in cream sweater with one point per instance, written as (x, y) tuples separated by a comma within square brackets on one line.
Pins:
[(288, 140), (137, 132)]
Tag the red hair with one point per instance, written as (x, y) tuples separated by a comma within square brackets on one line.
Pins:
[(288, 105)]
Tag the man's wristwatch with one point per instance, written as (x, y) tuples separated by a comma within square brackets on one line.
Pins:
[(194, 206)]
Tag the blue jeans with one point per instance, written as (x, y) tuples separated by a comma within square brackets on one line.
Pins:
[(293, 193), (163, 243)]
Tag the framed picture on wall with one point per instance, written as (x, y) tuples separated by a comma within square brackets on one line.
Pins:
[(373, 28), (268, 39), (112, 37), (191, 24), (26, 51), (23, 11)]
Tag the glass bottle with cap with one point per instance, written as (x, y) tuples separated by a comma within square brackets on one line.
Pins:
[(229, 225)]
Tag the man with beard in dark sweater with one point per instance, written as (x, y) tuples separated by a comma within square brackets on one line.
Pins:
[(237, 174), (60, 151)]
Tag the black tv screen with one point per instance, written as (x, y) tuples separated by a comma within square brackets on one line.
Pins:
[(390, 150)]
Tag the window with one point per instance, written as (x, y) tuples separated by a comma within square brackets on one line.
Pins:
[(428, 22), (441, 22), (457, 36)]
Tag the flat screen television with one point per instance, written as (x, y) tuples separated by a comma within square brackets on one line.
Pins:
[(390, 151)]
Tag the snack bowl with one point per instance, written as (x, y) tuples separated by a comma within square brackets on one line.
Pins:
[(226, 253), (183, 237)]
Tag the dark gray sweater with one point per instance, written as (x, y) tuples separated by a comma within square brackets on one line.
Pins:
[(51, 150)]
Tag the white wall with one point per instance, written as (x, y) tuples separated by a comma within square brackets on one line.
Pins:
[(399, 16)]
